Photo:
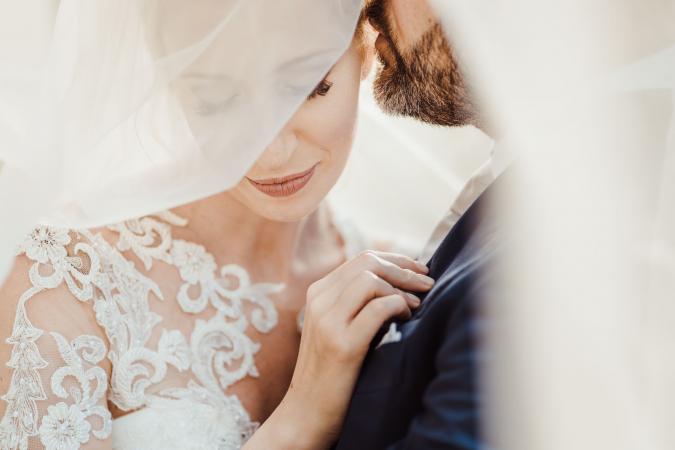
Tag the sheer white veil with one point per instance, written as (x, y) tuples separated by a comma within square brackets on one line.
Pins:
[(584, 88), (585, 92), (148, 103)]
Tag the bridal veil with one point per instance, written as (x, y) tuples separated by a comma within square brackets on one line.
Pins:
[(150, 104), (585, 93)]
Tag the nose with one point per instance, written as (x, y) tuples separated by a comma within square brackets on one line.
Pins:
[(279, 152)]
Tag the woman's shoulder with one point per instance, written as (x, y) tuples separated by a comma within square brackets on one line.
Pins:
[(52, 351), (64, 275), (52, 285), (51, 262)]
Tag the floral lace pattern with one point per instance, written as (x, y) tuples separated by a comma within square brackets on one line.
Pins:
[(66, 426), (217, 353), (45, 246)]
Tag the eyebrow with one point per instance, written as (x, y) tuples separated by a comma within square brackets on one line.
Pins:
[(299, 60), (207, 76), (291, 63)]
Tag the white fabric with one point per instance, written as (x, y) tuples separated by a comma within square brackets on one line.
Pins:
[(584, 357), (217, 352), (500, 158), (177, 344), (594, 353), (148, 104), (188, 425)]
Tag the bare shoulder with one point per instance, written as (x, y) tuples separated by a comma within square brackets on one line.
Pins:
[(48, 298)]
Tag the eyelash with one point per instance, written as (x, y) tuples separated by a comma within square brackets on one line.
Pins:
[(321, 89)]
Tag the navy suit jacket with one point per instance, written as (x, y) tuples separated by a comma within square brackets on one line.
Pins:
[(423, 392)]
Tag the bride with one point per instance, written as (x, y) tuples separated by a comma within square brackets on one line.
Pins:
[(181, 329)]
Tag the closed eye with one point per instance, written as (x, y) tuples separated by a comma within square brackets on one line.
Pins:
[(321, 89)]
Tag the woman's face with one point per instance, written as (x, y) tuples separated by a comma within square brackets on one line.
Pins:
[(306, 158)]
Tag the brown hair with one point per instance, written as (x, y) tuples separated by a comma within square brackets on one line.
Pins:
[(362, 34)]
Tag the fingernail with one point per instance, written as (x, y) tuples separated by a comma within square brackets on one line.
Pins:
[(415, 300), (422, 267), (428, 281)]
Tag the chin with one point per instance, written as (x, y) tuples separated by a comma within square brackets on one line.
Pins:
[(289, 216), (286, 210)]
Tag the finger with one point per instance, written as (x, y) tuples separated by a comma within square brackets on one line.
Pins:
[(365, 287), (374, 315), (371, 260), (404, 262), (333, 285), (399, 277), (405, 279)]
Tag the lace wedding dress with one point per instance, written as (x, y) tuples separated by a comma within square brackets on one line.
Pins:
[(172, 350)]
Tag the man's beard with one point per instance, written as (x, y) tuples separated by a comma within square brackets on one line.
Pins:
[(425, 83)]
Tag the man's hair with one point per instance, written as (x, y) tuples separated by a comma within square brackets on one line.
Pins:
[(360, 34)]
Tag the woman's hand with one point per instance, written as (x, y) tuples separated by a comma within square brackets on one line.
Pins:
[(344, 311)]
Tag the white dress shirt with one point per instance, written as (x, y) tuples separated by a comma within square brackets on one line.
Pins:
[(499, 160)]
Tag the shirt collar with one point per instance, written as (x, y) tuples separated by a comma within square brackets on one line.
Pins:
[(500, 158)]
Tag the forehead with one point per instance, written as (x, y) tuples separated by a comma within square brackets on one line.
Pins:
[(228, 61), (234, 35)]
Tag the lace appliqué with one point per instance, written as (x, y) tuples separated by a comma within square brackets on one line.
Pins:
[(123, 310), (148, 237), (219, 353), (222, 349), (66, 427), (25, 388), (227, 293), (45, 246), (229, 423)]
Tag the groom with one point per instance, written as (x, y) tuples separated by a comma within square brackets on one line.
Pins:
[(418, 388)]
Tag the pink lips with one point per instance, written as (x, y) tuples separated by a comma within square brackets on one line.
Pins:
[(285, 186)]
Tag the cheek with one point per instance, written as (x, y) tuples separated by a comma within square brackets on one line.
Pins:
[(337, 127), (325, 129), (336, 137), (411, 19), (331, 122)]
